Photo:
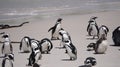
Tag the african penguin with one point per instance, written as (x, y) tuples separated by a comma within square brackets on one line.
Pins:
[(34, 57), (103, 30), (93, 29), (8, 60), (101, 45), (91, 21), (71, 50), (46, 45), (7, 46), (65, 36), (90, 61), (116, 36), (25, 44), (55, 29)]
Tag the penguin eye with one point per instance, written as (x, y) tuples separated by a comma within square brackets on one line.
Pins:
[(87, 61)]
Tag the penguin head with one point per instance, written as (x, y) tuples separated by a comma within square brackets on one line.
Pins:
[(59, 20), (91, 45), (90, 61), (91, 21), (5, 36), (94, 17), (10, 56)]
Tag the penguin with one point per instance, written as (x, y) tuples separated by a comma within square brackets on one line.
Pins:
[(116, 36), (92, 20), (25, 44), (55, 29), (91, 47), (7, 46), (90, 61), (93, 29), (65, 36), (71, 50), (8, 60), (103, 30), (46, 45), (101, 45), (34, 57)]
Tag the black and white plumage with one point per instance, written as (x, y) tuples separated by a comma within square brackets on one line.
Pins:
[(92, 29), (116, 36), (91, 47), (55, 30), (8, 60), (91, 21), (65, 36), (103, 30), (34, 57), (7, 46), (25, 44), (46, 45), (90, 61), (71, 50), (101, 45), (35, 44)]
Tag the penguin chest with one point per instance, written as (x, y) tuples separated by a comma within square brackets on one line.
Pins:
[(45, 46), (94, 30), (37, 55), (56, 33), (102, 47), (65, 37), (25, 46), (101, 32), (8, 63), (7, 48)]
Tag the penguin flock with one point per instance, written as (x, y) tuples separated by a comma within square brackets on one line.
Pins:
[(36, 48)]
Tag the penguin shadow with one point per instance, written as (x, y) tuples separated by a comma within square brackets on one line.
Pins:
[(59, 47), (119, 49), (45, 53), (35, 65), (91, 38), (115, 45), (99, 53), (66, 60), (54, 39), (84, 66), (90, 50), (2, 56), (24, 52)]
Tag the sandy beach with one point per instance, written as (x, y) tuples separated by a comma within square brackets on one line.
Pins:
[(76, 25)]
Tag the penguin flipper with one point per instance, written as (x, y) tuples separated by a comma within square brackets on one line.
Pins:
[(3, 62), (50, 29), (2, 48), (88, 26), (11, 48), (20, 45)]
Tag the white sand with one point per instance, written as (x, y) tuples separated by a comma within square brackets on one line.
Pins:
[(76, 26)]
